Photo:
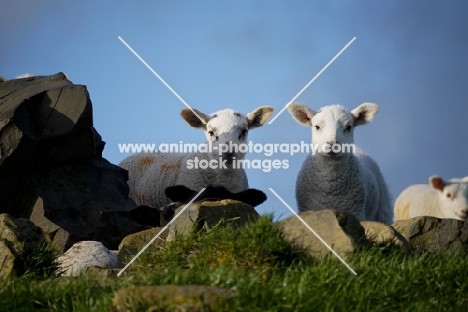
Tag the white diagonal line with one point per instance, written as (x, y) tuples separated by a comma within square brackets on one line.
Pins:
[(160, 78), (313, 232), (160, 232), (313, 79)]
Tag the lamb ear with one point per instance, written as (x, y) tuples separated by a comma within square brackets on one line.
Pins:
[(251, 197), (364, 113), (259, 116), (301, 113), (194, 118), (179, 193), (437, 182)]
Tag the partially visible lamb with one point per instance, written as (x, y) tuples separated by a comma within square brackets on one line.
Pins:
[(439, 198), (181, 195), (151, 173), (335, 176)]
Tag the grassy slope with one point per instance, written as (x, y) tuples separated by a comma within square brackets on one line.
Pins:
[(270, 275)]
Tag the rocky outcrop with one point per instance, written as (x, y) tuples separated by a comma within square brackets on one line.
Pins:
[(18, 238), (434, 234), (172, 298), (41, 120), (340, 230), (51, 165)]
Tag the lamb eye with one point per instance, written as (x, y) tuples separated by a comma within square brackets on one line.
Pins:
[(317, 127), (449, 195), (212, 135)]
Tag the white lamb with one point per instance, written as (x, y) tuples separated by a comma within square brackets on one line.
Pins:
[(150, 174), (441, 199), (336, 176)]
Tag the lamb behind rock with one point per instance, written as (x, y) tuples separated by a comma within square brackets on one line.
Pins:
[(181, 195), (151, 174), (439, 198), (335, 176)]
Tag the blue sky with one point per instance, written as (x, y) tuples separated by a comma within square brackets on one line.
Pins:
[(410, 58)]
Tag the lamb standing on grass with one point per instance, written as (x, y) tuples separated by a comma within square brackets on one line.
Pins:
[(150, 174), (343, 180), (441, 199)]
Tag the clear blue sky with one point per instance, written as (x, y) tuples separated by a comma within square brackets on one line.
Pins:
[(409, 57)]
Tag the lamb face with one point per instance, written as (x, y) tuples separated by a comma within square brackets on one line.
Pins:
[(453, 196), (226, 130), (333, 125)]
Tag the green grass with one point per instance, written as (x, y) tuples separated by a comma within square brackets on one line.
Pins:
[(269, 274), (39, 262)]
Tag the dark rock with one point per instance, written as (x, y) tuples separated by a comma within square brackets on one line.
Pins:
[(434, 234), (51, 165), (89, 184), (113, 227), (152, 216), (43, 121), (147, 215)]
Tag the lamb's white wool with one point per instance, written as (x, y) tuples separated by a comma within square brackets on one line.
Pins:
[(150, 174), (439, 198), (340, 179)]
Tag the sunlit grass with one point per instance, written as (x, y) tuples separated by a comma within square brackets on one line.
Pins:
[(269, 274)]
